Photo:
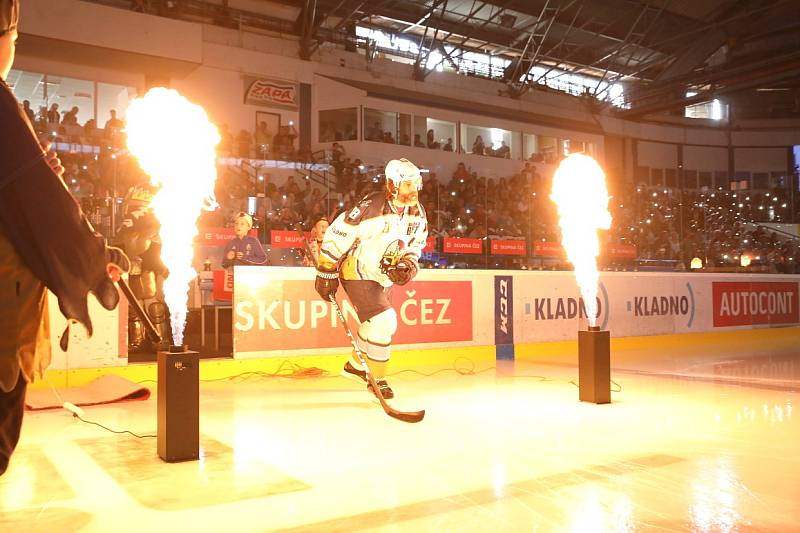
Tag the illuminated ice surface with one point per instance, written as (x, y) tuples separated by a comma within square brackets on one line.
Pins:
[(710, 445)]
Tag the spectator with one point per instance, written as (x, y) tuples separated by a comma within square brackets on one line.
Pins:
[(263, 139), (244, 249), (225, 146), (53, 116), (418, 141), (315, 243), (375, 133), (71, 117), (244, 141), (26, 107), (478, 148), (448, 147), (504, 151), (431, 141), (113, 124)]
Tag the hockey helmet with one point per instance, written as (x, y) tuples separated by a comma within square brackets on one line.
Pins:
[(400, 170)]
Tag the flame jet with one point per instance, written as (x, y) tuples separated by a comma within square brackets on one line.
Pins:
[(579, 191), (174, 142)]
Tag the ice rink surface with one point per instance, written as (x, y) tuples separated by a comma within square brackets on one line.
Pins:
[(707, 445)]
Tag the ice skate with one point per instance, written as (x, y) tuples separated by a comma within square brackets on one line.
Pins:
[(351, 372), (386, 390)]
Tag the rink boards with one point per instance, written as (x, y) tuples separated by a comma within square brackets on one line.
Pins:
[(276, 312)]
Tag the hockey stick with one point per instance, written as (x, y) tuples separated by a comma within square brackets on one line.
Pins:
[(139, 310), (405, 416), (411, 417)]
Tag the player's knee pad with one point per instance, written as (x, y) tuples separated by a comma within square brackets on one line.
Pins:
[(381, 327), (375, 335)]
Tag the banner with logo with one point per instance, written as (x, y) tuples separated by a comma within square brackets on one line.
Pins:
[(548, 249), (277, 311), (430, 244), (223, 285), (738, 303), (456, 245), (548, 305), (288, 239), (282, 314), (271, 92), (508, 247), (219, 236), (621, 251), (504, 316)]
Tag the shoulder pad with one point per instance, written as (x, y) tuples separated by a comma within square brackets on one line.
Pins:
[(370, 206)]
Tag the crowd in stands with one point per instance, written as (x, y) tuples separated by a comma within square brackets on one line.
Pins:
[(263, 143), (664, 224)]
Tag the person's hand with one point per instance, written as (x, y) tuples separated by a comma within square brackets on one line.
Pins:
[(118, 263), (52, 159), (231, 255), (114, 272), (326, 284), (404, 271)]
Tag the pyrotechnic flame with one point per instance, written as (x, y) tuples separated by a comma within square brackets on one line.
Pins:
[(174, 143), (579, 190)]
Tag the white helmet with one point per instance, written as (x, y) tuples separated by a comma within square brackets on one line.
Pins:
[(400, 170)]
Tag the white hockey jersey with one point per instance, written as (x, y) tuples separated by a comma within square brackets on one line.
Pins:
[(371, 234)]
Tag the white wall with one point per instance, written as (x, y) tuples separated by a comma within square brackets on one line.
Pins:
[(657, 155), (705, 158), (760, 159), (115, 29)]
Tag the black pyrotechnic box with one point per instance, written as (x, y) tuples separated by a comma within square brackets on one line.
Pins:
[(178, 405), (594, 365)]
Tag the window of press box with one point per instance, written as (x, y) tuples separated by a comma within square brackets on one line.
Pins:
[(66, 105), (495, 142), (573, 146), (434, 133), (387, 127), (530, 146), (547, 150), (338, 125)]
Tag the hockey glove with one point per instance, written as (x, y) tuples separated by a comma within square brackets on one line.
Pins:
[(404, 271), (327, 283), (117, 258)]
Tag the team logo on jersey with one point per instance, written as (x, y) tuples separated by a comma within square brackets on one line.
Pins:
[(392, 255), (412, 228)]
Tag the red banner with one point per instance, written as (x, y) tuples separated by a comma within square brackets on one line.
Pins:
[(744, 304), (621, 251), (454, 245), (267, 91), (508, 247), (219, 236), (430, 244), (223, 285), (289, 315), (287, 239), (547, 249)]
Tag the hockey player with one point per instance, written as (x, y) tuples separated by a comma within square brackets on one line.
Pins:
[(371, 247)]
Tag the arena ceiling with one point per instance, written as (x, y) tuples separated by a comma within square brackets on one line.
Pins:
[(658, 49)]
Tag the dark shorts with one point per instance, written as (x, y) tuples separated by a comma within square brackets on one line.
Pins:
[(369, 298), (12, 407)]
